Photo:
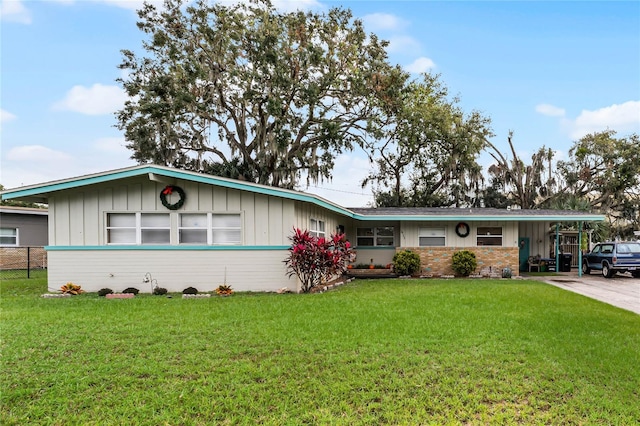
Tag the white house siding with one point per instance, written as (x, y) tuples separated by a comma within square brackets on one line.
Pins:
[(78, 217), (409, 233), (538, 234), (304, 212), (175, 270)]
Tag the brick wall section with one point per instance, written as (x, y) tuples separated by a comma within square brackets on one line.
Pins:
[(437, 260)]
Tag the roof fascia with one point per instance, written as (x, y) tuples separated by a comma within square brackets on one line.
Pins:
[(154, 171)]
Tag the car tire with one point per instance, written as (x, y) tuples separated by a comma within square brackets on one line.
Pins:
[(635, 274), (606, 271), (585, 268)]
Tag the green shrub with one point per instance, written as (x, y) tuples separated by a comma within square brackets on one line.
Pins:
[(464, 262), (104, 291), (159, 291), (190, 290), (406, 262), (131, 290)]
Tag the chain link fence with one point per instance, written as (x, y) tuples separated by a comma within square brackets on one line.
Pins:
[(22, 262)]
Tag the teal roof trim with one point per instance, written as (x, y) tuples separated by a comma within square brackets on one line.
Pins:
[(173, 173), (469, 218), (45, 188), (163, 248)]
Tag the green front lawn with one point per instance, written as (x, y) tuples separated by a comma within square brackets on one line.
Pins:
[(370, 352)]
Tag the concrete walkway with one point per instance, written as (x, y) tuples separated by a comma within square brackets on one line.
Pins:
[(622, 290)]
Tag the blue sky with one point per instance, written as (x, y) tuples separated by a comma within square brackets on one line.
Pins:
[(549, 71)]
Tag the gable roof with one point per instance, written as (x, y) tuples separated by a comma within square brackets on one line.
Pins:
[(40, 193)]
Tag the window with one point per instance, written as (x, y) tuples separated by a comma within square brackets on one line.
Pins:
[(138, 228), (226, 229), (316, 228), (432, 237), (8, 236), (210, 228), (380, 236), (193, 229), (489, 236)]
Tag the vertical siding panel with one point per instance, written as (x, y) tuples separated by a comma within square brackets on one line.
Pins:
[(76, 219), (51, 221), (261, 203), (205, 198), (120, 198), (275, 221), (248, 207), (62, 220), (219, 199), (91, 219), (150, 196), (234, 201), (134, 197), (191, 193), (288, 220)]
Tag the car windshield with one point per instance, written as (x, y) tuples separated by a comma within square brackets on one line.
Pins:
[(629, 248)]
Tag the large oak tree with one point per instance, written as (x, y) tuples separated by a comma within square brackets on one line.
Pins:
[(247, 91)]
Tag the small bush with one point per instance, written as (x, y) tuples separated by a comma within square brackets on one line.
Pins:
[(224, 289), (190, 290), (132, 290), (159, 291), (71, 288), (506, 273), (104, 291), (406, 262), (464, 262)]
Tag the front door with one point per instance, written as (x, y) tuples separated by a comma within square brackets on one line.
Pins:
[(523, 257)]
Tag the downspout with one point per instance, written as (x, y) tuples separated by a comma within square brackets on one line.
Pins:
[(558, 247), (580, 248)]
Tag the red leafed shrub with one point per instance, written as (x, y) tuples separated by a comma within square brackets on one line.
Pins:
[(314, 259)]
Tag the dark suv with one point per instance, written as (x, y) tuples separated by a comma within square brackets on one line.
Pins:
[(612, 257)]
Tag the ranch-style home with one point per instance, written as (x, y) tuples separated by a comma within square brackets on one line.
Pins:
[(188, 229)]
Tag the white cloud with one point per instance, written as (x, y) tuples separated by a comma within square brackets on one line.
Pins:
[(36, 154), (420, 65), (95, 100), (403, 44), (622, 118), (6, 116), (14, 11), (124, 4), (111, 145), (550, 110), (383, 21)]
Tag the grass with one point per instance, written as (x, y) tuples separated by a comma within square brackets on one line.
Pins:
[(371, 352)]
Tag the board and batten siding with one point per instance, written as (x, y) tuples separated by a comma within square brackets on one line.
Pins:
[(175, 270), (409, 235), (78, 218)]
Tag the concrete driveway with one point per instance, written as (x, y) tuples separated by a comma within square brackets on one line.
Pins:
[(622, 290)]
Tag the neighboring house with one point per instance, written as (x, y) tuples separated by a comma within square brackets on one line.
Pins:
[(190, 229), (22, 227)]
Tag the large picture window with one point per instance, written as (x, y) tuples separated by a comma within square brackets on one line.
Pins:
[(489, 236), (138, 228), (210, 228), (376, 236), (8, 237), (432, 237)]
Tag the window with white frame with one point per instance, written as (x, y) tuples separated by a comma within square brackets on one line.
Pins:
[(210, 228), (8, 237), (226, 229), (316, 228), (489, 236), (375, 236), (193, 228), (432, 237), (138, 228)]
